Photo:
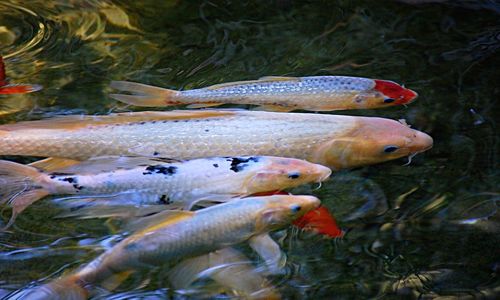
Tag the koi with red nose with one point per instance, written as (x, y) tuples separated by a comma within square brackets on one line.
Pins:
[(394, 92)]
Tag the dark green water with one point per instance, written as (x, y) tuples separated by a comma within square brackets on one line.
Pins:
[(423, 230)]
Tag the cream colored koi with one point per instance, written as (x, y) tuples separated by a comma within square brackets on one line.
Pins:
[(134, 181), (315, 93), (183, 235), (332, 140)]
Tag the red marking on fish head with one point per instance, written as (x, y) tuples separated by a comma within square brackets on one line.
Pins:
[(395, 93), (320, 221)]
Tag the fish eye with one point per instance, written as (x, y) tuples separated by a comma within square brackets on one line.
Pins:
[(390, 149), (295, 208), (389, 100), (293, 175)]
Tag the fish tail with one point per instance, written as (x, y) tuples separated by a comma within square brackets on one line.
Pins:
[(68, 287), (144, 95), (19, 187)]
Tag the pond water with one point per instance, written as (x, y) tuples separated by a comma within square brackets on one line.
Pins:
[(426, 229)]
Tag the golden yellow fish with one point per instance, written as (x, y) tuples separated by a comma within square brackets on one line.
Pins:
[(332, 140), (173, 235)]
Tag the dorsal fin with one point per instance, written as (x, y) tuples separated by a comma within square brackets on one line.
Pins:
[(160, 220), (111, 163), (54, 163), (229, 84), (81, 121), (260, 80), (279, 78)]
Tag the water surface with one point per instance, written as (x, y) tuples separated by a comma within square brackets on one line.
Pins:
[(423, 230)]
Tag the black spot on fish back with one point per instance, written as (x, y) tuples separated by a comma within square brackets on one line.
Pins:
[(239, 163), (57, 174), (160, 169), (164, 199), (71, 180)]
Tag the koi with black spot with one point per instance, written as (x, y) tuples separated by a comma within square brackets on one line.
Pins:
[(86, 186)]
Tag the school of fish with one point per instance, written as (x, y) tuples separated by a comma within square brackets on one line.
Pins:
[(190, 185)]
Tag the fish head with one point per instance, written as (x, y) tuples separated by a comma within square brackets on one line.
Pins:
[(393, 93), (279, 173), (371, 141), (281, 210)]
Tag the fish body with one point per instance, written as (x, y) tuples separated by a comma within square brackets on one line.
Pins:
[(331, 140), (189, 234), (315, 93), (134, 181)]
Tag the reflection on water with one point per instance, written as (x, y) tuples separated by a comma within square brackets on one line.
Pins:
[(424, 230)]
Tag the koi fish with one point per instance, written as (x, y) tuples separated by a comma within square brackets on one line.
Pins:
[(331, 140), (315, 93), (133, 181), (8, 89), (172, 235)]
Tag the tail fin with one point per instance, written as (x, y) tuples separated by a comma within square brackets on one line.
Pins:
[(62, 288), (19, 187), (144, 95)]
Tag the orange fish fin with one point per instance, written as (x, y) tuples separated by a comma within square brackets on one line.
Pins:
[(279, 78), (115, 280), (160, 220), (321, 221), (143, 94), (53, 163), (76, 122), (202, 105), (19, 89), (269, 107)]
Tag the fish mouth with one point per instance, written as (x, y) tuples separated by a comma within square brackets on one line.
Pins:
[(324, 173), (421, 142)]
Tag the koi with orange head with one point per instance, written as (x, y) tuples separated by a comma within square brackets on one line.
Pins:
[(9, 89), (372, 140)]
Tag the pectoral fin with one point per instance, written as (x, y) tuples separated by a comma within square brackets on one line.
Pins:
[(270, 251), (229, 268)]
